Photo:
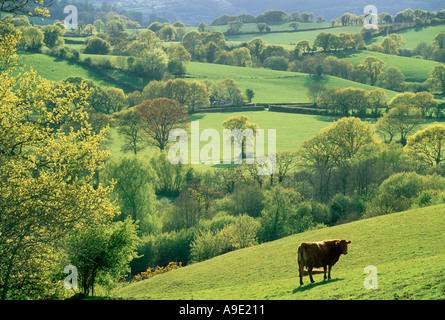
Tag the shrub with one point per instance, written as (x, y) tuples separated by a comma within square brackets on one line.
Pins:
[(151, 272), (96, 45)]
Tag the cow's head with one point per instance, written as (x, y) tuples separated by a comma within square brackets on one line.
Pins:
[(343, 244)]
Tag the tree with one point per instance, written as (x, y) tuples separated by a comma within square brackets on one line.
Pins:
[(130, 129), (303, 46), (99, 25), (192, 43), (240, 123), (427, 145), (280, 206), (392, 79), (228, 89), (315, 91), (437, 79), (439, 40), (96, 45), (134, 181), (49, 156), (159, 117), (102, 253), (294, 25), (333, 148), (249, 95), (322, 40), (53, 36), (402, 119), (234, 27), (373, 66), (31, 39), (26, 7)]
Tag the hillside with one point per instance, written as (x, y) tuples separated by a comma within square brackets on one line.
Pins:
[(406, 247)]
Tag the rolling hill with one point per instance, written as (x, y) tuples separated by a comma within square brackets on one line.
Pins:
[(406, 248)]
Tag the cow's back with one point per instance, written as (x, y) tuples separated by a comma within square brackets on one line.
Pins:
[(315, 254)]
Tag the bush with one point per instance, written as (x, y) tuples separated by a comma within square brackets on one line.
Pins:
[(239, 234), (276, 63), (401, 190), (96, 45)]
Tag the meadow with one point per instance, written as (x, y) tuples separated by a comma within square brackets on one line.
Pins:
[(272, 86), (414, 36), (406, 248), (414, 69), (290, 39)]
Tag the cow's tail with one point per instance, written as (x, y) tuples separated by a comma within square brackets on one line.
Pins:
[(300, 259)]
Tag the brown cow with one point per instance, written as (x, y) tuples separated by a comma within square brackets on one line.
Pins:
[(320, 254)]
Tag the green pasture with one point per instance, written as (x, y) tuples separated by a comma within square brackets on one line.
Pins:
[(406, 248), (414, 69)]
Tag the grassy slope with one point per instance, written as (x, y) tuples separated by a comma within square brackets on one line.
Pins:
[(414, 69), (414, 36), (406, 247), (290, 39), (271, 86)]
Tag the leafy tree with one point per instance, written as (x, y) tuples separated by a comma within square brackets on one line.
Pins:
[(437, 79), (26, 7), (192, 42), (439, 40), (373, 66), (294, 25), (278, 215), (249, 95), (228, 89), (130, 129), (102, 253), (159, 117), (315, 90), (427, 145), (392, 78), (322, 40), (402, 119), (234, 27), (96, 45), (31, 39), (53, 36), (49, 156), (261, 26)]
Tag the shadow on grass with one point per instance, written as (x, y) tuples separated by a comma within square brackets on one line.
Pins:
[(305, 287)]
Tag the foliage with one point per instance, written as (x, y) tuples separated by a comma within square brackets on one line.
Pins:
[(48, 157), (102, 253), (151, 272)]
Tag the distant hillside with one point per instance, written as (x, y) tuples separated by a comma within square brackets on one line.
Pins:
[(195, 11), (406, 247)]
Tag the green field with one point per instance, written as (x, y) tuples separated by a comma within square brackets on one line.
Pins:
[(290, 39), (406, 248), (252, 27), (414, 69), (414, 36), (271, 86), (291, 130)]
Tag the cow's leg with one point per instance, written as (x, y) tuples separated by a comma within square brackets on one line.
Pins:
[(329, 272), (324, 268), (310, 274)]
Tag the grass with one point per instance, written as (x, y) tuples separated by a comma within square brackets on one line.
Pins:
[(252, 27), (414, 36), (56, 69), (291, 131), (414, 69), (290, 39), (406, 247), (271, 86)]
